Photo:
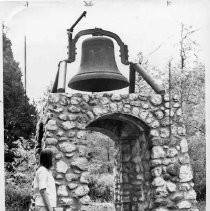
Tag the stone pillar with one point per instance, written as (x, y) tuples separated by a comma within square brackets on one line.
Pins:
[(133, 184), (170, 163)]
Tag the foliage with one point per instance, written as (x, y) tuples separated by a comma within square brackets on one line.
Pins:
[(23, 165), (193, 106), (160, 76), (101, 187), (188, 81), (19, 181), (102, 150), (19, 114), (197, 148), (101, 179), (192, 96), (202, 206), (41, 102), (16, 199)]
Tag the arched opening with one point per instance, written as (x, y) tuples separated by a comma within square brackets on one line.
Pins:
[(131, 160)]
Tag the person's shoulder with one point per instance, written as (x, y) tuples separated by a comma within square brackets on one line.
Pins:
[(42, 169)]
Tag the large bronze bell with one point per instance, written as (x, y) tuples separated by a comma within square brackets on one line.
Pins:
[(98, 69)]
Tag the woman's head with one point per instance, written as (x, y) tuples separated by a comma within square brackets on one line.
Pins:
[(46, 158)]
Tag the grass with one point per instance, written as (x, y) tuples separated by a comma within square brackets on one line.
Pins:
[(110, 207), (102, 206)]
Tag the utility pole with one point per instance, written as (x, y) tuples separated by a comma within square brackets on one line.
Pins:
[(2, 182), (25, 65), (169, 91), (25, 58)]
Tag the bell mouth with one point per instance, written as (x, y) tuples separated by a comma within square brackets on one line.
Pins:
[(98, 83)]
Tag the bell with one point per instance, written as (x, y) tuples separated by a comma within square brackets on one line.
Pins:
[(98, 70)]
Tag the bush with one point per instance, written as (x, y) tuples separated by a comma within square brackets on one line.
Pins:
[(202, 206), (101, 187), (18, 182), (197, 152), (16, 199)]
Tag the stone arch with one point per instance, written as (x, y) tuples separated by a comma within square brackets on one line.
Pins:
[(112, 124), (132, 172)]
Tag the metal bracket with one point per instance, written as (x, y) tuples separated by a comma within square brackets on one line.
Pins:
[(97, 32)]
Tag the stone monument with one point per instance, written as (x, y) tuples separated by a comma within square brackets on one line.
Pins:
[(152, 165)]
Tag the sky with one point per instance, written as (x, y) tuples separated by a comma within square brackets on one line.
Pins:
[(141, 24)]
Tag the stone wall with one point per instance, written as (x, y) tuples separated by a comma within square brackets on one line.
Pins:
[(152, 165)]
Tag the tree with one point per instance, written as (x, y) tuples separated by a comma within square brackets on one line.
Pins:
[(40, 103), (102, 150), (161, 76), (192, 96), (186, 78), (101, 178), (19, 114), (188, 81)]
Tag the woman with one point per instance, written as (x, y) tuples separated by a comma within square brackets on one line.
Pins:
[(44, 183)]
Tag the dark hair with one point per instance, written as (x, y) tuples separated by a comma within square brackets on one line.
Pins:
[(46, 157)]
